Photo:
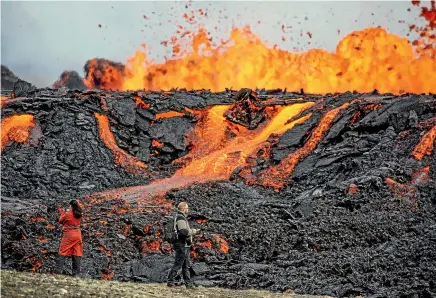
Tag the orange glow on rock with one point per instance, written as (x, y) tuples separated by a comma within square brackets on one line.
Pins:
[(107, 274), (140, 103), (352, 189), (156, 143), (219, 157), (104, 250), (222, 243), (169, 114), (151, 246), (121, 157), (425, 145), (16, 129), (3, 100), (276, 176)]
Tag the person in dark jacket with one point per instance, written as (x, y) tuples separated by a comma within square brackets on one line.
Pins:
[(182, 247)]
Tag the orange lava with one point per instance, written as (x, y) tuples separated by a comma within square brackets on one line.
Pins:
[(151, 246), (408, 190), (121, 157), (16, 128), (104, 250), (222, 243), (352, 189), (363, 60), (35, 262), (169, 114), (276, 176), (214, 156), (140, 103), (205, 243), (156, 143), (108, 274), (3, 100), (420, 176), (425, 145), (218, 158)]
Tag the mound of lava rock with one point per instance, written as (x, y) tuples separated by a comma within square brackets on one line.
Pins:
[(329, 194)]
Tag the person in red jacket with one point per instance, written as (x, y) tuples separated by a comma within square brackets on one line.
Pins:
[(71, 244)]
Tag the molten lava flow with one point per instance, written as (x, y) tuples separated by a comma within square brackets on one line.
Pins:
[(276, 176), (219, 164), (409, 190), (213, 156), (364, 60), (222, 243), (151, 246), (169, 114), (140, 103), (16, 128), (3, 100), (425, 146), (209, 134), (130, 163)]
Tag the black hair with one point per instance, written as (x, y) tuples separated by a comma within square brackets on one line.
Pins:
[(77, 211)]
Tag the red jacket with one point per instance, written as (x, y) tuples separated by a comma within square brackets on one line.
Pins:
[(71, 244)]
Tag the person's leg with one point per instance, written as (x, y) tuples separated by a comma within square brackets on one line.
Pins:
[(178, 263), (185, 268), (76, 265), (60, 262)]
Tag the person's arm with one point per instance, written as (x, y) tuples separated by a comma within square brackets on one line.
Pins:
[(63, 216)]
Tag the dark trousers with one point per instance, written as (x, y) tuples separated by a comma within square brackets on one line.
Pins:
[(60, 262), (182, 261)]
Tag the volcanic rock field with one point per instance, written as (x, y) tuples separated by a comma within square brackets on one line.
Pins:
[(322, 194)]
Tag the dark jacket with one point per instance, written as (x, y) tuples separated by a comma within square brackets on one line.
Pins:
[(184, 232)]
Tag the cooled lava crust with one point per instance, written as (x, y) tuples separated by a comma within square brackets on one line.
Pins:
[(323, 194)]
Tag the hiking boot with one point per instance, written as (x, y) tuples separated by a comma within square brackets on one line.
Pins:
[(171, 284)]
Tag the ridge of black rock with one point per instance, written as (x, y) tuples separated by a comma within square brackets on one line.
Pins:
[(8, 78)]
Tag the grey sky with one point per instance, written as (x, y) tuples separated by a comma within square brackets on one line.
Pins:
[(41, 39)]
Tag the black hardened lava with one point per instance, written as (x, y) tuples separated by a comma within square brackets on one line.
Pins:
[(337, 227)]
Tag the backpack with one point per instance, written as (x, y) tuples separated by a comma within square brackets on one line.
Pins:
[(170, 229)]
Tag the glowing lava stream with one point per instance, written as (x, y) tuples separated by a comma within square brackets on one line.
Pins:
[(16, 128), (276, 176), (130, 163), (425, 146), (214, 164)]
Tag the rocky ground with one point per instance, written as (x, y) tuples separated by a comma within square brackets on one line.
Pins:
[(18, 284)]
